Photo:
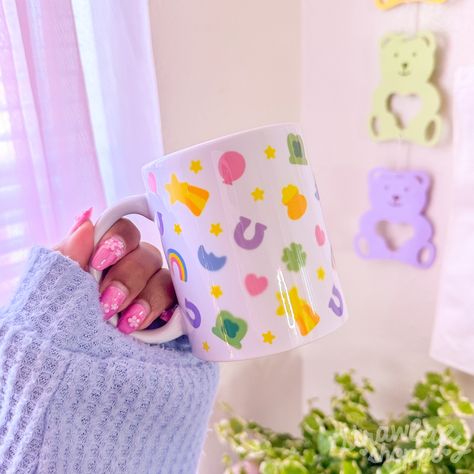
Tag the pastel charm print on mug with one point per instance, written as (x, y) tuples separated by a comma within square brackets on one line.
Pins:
[(240, 222)]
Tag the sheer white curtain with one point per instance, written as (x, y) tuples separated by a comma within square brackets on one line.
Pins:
[(78, 116), (48, 157), (117, 57)]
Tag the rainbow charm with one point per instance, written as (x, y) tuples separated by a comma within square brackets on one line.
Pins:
[(176, 262)]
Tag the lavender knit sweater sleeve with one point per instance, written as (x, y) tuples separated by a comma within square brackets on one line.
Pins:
[(77, 396)]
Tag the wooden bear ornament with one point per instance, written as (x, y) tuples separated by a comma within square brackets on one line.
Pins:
[(397, 198), (407, 65)]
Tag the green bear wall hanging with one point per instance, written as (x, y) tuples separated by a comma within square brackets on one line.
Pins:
[(407, 65)]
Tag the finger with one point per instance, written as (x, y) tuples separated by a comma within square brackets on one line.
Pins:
[(127, 278), (122, 238), (79, 242), (79, 245), (157, 296)]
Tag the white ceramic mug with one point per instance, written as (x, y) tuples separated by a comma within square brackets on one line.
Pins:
[(243, 233)]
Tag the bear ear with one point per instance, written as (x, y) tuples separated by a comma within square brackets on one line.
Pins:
[(422, 178), (376, 174), (388, 38), (428, 38)]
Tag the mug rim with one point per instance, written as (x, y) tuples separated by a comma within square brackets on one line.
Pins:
[(213, 141)]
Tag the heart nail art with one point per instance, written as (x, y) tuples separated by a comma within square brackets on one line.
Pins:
[(255, 285)]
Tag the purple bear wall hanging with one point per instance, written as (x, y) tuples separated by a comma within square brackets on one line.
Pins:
[(398, 198)]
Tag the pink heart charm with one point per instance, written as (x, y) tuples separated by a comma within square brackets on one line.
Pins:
[(320, 236), (255, 285)]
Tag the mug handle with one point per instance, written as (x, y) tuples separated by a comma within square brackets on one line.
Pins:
[(138, 204)]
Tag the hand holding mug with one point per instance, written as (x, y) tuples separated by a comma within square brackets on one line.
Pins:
[(242, 229), (136, 285)]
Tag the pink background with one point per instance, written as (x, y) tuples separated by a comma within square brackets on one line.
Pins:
[(392, 305)]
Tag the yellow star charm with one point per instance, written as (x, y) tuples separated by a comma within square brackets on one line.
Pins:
[(270, 152), (268, 337), (216, 229), (195, 166), (177, 229), (177, 190), (258, 194), (205, 346), (216, 291), (321, 273)]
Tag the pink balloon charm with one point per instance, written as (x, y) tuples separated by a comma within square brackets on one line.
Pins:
[(231, 166), (398, 198)]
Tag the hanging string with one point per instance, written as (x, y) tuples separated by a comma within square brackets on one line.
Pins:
[(404, 149), (408, 146), (408, 155), (417, 29), (417, 18)]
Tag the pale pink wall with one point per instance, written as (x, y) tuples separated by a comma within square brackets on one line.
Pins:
[(392, 305), (224, 66)]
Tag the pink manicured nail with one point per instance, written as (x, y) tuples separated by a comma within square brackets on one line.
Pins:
[(108, 253), (167, 313), (111, 299), (132, 317), (85, 216)]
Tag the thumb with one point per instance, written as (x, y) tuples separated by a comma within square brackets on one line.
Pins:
[(79, 244)]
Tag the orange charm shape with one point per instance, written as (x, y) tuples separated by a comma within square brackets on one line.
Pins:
[(294, 201)]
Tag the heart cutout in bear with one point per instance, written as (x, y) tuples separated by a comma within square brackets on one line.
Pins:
[(405, 108), (395, 235), (255, 285), (230, 328)]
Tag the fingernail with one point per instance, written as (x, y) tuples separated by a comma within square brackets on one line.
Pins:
[(111, 299), (109, 252), (132, 317), (85, 216), (167, 313)]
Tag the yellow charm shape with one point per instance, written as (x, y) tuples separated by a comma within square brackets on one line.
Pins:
[(387, 4), (295, 202), (407, 64), (295, 307), (192, 197)]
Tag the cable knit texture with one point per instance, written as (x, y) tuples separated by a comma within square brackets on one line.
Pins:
[(78, 396)]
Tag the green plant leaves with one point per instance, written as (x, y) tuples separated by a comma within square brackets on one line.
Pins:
[(430, 438), (350, 467), (464, 407), (286, 466)]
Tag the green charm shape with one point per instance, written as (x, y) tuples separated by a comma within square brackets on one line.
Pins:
[(230, 329), (407, 65), (296, 148), (294, 257)]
